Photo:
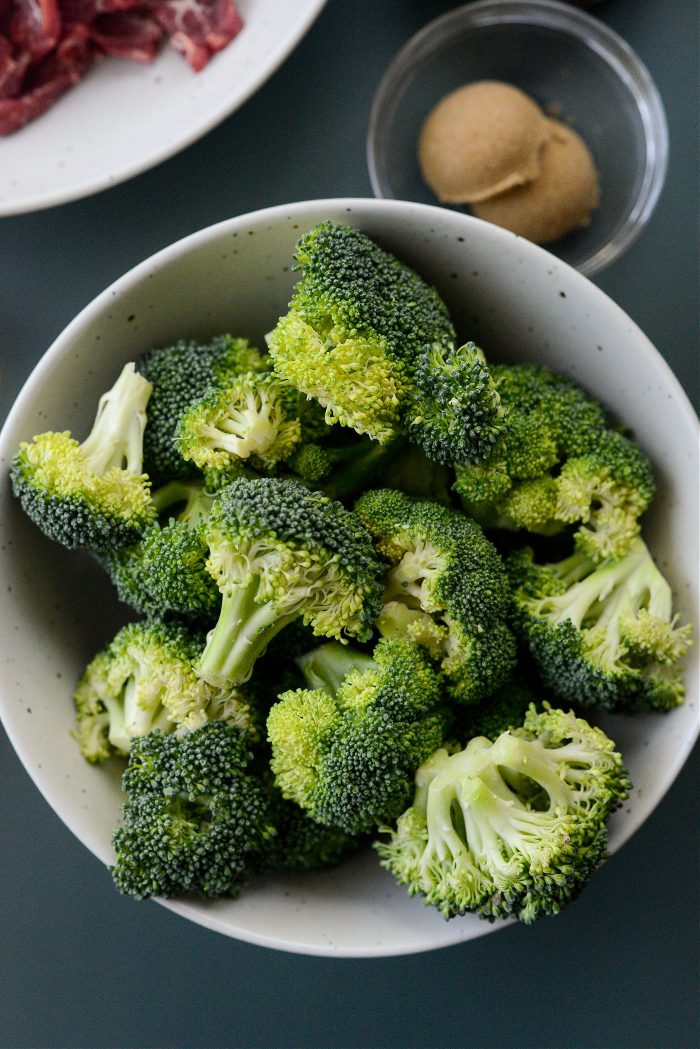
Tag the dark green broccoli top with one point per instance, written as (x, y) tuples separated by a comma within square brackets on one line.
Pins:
[(181, 375), (195, 820)]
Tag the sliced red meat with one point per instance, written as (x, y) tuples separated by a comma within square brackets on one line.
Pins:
[(48, 79), (198, 28), (127, 34), (12, 68), (86, 11), (35, 26)]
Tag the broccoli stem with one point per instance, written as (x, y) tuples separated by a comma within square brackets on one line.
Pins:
[(241, 635), (596, 589), (328, 665), (196, 499), (116, 438), (358, 465)]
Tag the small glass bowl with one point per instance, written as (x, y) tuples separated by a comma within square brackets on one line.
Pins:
[(574, 66)]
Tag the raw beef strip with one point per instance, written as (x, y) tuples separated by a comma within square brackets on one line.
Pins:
[(127, 34), (35, 26), (12, 68), (198, 28), (48, 79)]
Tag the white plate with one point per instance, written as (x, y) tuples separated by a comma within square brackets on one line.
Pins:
[(57, 607), (124, 117)]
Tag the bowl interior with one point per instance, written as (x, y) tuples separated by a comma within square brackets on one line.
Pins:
[(56, 607), (570, 76)]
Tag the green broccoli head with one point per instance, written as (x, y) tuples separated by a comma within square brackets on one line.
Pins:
[(165, 573), (558, 463), (346, 747), (602, 634), (195, 820), (510, 828), (356, 323), (253, 417), (181, 375), (456, 415), (607, 489), (144, 679), (92, 494), (447, 585), (281, 552)]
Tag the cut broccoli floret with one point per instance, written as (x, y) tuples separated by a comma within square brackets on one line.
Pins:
[(144, 680), (280, 552), (457, 415), (558, 463), (512, 828), (165, 574), (254, 417), (357, 317), (95, 494), (182, 374), (346, 747), (446, 588), (602, 634), (195, 820)]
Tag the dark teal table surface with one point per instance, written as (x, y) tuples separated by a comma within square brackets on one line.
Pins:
[(81, 966)]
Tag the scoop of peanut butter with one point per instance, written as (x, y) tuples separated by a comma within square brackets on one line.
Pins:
[(561, 198), (489, 145), (484, 138)]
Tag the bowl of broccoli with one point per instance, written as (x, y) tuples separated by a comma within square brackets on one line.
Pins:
[(349, 551)]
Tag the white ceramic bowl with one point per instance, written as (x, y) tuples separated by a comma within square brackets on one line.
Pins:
[(519, 303), (154, 111)]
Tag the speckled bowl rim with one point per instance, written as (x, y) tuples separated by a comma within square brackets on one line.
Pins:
[(197, 912)]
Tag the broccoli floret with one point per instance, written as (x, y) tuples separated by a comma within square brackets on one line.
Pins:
[(512, 828), (95, 494), (180, 375), (558, 463), (195, 820), (346, 747), (456, 414), (607, 489), (254, 417), (374, 344), (602, 634), (281, 552), (446, 588), (144, 680), (357, 318), (165, 574)]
